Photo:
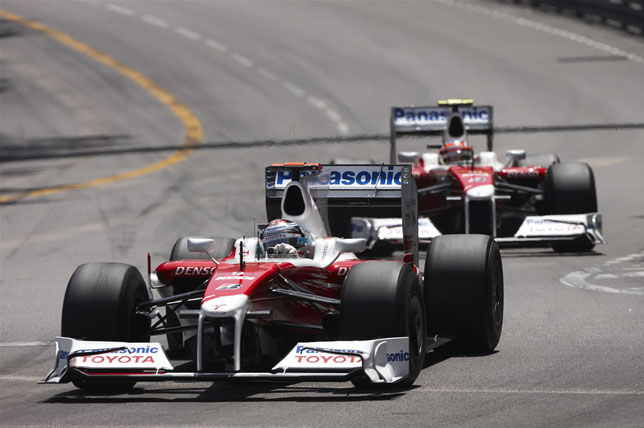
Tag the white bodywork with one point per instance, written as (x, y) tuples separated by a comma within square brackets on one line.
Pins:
[(72, 353), (383, 360), (548, 228)]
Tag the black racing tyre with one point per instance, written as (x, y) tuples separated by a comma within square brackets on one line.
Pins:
[(539, 159), (100, 304), (570, 189), (384, 299), (463, 288), (223, 248)]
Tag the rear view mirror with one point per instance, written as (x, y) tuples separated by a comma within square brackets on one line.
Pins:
[(515, 155), (408, 157), (201, 245)]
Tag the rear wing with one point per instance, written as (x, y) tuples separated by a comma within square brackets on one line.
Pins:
[(345, 191), (421, 121)]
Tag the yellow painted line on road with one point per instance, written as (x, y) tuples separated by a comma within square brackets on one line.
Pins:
[(192, 125)]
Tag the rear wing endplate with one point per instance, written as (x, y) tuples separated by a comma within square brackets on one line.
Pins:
[(421, 121)]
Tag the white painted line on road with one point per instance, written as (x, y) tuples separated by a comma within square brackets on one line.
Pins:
[(120, 9), (216, 46), (580, 279), (24, 344), (187, 33), (242, 60), (266, 74), (162, 23), (639, 274), (20, 378), (528, 23), (295, 90), (333, 115), (624, 259), (530, 391), (316, 102)]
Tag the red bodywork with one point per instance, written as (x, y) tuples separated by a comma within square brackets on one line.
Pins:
[(256, 280), (444, 206)]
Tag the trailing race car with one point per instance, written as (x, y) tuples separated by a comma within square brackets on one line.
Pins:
[(532, 200), (291, 303)]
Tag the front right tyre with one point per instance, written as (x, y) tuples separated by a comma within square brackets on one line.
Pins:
[(463, 288), (384, 299)]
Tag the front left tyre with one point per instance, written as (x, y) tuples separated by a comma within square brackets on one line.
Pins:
[(100, 304)]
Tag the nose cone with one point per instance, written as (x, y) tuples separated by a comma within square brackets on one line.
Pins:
[(485, 191), (225, 306)]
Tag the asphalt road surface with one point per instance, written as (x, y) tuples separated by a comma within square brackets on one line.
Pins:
[(96, 165)]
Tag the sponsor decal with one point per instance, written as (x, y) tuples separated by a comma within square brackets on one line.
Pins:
[(398, 356), (116, 359), (340, 177), (327, 359), (552, 224), (408, 116), (304, 350), (539, 226), (229, 287), (522, 173), (141, 354), (478, 179), (280, 237), (438, 116), (233, 278), (315, 356), (195, 271)]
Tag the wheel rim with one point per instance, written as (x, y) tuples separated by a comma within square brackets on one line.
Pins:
[(416, 326), (497, 297)]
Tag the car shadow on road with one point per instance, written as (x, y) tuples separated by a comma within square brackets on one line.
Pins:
[(234, 391)]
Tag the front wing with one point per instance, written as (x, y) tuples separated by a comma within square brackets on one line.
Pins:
[(534, 230), (380, 360)]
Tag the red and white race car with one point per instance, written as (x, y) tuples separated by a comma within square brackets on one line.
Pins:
[(292, 303), (531, 200)]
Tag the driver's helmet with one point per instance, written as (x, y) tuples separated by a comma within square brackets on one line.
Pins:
[(456, 152), (280, 234)]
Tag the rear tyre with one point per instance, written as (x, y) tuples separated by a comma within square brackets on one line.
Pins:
[(100, 304), (463, 289), (223, 248), (384, 299), (570, 189)]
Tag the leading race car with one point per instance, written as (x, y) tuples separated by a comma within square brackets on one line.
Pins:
[(292, 303), (532, 200)]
